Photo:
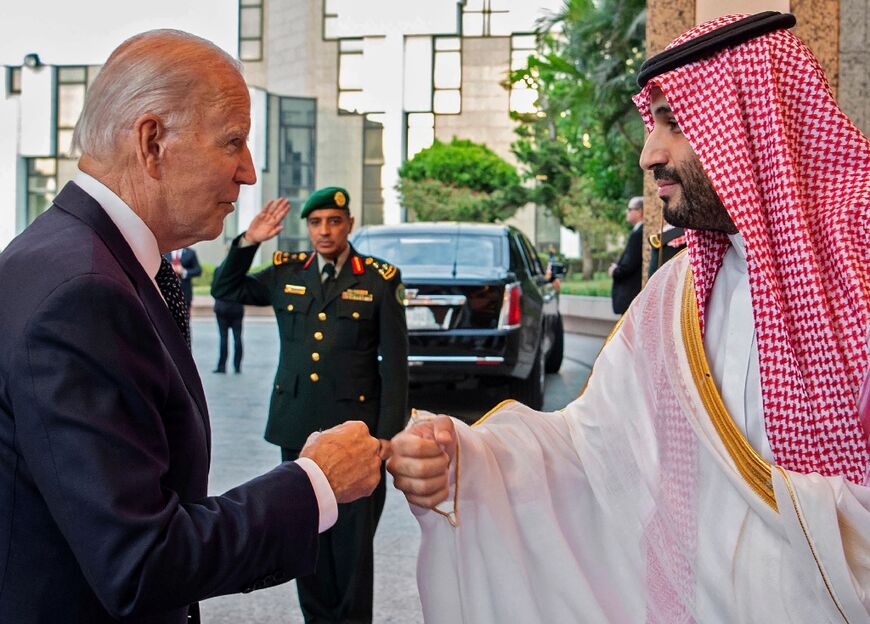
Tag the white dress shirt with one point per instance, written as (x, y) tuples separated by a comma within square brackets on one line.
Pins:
[(732, 351), (144, 245)]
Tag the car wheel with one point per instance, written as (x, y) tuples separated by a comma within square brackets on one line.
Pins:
[(530, 390), (557, 349)]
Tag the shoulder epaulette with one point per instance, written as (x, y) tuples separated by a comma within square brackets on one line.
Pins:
[(655, 241), (387, 271), (286, 257)]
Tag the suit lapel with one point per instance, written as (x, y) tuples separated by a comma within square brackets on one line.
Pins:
[(76, 202), (311, 276)]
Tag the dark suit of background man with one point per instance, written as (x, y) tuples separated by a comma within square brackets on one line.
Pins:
[(186, 266), (104, 428), (627, 272), (336, 311), (229, 315)]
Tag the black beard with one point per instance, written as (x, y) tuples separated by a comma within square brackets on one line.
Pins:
[(699, 207)]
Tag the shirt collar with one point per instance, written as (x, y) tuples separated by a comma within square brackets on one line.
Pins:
[(339, 262), (140, 238)]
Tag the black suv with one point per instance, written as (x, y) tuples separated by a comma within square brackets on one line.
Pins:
[(478, 303)]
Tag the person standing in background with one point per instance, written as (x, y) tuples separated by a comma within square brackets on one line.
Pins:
[(185, 263), (664, 246), (229, 315), (627, 272)]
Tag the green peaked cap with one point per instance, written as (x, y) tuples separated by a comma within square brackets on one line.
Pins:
[(327, 197)]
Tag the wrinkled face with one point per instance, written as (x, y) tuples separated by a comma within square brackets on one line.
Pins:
[(689, 198), (207, 161), (328, 229)]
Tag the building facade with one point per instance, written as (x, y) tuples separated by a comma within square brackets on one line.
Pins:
[(342, 93)]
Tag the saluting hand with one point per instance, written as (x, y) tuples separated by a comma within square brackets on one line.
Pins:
[(420, 462), (349, 457), (267, 223)]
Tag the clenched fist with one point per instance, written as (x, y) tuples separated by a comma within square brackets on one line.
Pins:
[(349, 457), (421, 457)]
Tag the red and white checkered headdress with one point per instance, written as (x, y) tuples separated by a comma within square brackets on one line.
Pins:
[(794, 175)]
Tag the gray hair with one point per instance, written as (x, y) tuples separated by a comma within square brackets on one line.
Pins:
[(635, 203), (153, 72)]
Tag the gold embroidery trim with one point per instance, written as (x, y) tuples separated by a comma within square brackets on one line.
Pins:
[(752, 466), (800, 517)]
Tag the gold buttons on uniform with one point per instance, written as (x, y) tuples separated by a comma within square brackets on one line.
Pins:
[(318, 335), (315, 377), (315, 356), (322, 316), (355, 315), (290, 307), (362, 398)]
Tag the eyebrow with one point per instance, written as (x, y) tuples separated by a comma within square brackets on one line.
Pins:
[(662, 110)]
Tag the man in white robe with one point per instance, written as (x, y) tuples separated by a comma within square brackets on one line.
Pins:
[(731, 484)]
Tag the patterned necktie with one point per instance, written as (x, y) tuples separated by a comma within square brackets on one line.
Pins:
[(170, 288)]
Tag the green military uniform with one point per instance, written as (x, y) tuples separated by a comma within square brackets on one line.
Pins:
[(328, 373)]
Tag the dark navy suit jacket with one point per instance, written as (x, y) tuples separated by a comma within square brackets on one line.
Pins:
[(104, 445)]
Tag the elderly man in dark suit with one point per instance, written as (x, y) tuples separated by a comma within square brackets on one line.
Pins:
[(104, 429), (627, 272)]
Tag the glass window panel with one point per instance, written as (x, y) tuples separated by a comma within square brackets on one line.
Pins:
[(70, 101), (15, 80), (419, 139), (93, 70), (473, 5), (251, 50), (67, 75), (251, 3), (500, 24), (42, 166), (447, 43), (421, 120), (350, 74), (447, 102), (520, 58), (250, 23), (297, 112), (523, 100), (350, 45), (448, 70), (472, 24), (523, 42), (298, 144), (64, 142), (350, 101)]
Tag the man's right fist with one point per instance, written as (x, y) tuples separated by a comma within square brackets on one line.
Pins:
[(349, 458)]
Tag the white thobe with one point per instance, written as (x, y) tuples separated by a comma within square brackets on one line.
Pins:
[(634, 503)]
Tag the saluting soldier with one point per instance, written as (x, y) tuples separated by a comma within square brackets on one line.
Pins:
[(337, 311)]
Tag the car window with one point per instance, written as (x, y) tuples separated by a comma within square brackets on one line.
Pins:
[(532, 256), (437, 249), (519, 254)]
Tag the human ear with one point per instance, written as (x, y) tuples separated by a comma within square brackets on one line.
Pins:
[(150, 133)]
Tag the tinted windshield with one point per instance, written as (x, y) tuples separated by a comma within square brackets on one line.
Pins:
[(467, 251)]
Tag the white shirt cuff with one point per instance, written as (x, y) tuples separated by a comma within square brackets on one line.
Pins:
[(243, 242), (326, 503)]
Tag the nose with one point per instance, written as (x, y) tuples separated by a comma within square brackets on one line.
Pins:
[(245, 172), (654, 151)]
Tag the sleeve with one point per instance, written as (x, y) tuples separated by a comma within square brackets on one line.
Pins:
[(232, 282), (193, 269), (393, 333), (93, 391), (632, 258)]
